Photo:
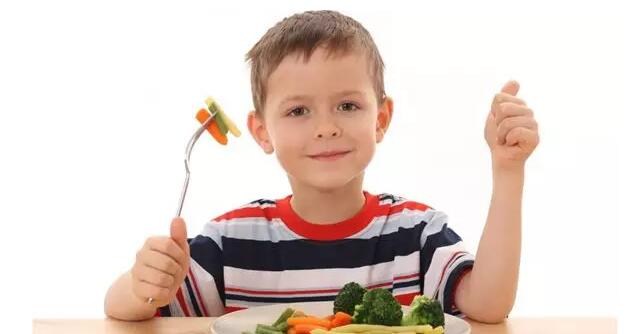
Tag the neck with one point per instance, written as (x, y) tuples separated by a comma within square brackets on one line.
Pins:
[(322, 207)]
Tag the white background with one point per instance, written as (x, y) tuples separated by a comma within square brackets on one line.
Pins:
[(98, 102)]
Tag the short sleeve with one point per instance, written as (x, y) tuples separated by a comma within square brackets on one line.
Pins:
[(443, 260), (202, 292)]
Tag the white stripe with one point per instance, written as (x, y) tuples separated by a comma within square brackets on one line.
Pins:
[(208, 290), (174, 307), (434, 271), (244, 304), (319, 279), (262, 229), (384, 225), (258, 205)]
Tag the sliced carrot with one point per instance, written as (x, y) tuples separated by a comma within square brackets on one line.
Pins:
[(291, 330), (307, 328), (308, 321), (341, 319), (201, 116), (330, 317)]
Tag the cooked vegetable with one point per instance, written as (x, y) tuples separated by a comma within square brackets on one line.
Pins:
[(307, 328), (424, 311), (203, 115), (341, 319), (308, 320), (266, 329), (213, 106), (220, 123), (350, 295), (283, 317), (363, 328), (378, 307)]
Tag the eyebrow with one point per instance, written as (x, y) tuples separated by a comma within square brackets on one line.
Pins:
[(302, 97)]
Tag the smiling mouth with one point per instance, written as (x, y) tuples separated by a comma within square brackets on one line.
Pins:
[(329, 156)]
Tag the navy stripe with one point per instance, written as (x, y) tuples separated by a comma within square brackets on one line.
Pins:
[(165, 311), (450, 284), (192, 296), (406, 284), (313, 254), (209, 256), (263, 201), (384, 197)]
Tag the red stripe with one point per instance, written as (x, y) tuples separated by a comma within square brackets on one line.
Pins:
[(182, 303), (397, 278), (408, 205), (200, 301), (271, 212), (230, 309)]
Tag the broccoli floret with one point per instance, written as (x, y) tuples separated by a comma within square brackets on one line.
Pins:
[(424, 311), (350, 295), (378, 307)]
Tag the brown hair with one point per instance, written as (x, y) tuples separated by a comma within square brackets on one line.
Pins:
[(304, 32)]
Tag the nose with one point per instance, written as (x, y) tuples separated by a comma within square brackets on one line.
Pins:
[(327, 128)]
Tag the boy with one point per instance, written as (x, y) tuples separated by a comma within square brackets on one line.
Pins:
[(320, 106)]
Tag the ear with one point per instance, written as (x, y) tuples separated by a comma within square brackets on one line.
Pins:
[(384, 116), (257, 127)]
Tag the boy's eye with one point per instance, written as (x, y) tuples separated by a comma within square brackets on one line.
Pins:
[(347, 107), (299, 111)]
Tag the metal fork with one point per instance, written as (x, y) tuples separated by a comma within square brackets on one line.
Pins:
[(187, 158)]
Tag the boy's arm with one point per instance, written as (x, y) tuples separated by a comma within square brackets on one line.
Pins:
[(121, 303), (487, 292)]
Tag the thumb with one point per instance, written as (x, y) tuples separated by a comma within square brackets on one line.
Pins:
[(178, 232), (511, 87)]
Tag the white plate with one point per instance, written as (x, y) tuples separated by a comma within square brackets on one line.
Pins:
[(246, 320)]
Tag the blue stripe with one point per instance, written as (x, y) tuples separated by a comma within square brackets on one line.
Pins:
[(192, 296), (407, 284), (209, 256), (450, 284), (312, 254)]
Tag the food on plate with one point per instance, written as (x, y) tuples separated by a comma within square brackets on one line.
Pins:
[(362, 311)]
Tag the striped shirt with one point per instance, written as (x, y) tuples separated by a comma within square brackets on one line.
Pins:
[(264, 253)]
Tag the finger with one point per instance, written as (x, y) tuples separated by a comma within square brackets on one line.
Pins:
[(508, 109), (522, 136), (501, 98), (178, 233), (159, 261), (511, 87), (153, 276), (511, 123), (169, 247), (146, 290)]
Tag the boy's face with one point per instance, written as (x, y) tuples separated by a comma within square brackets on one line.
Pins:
[(322, 118)]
